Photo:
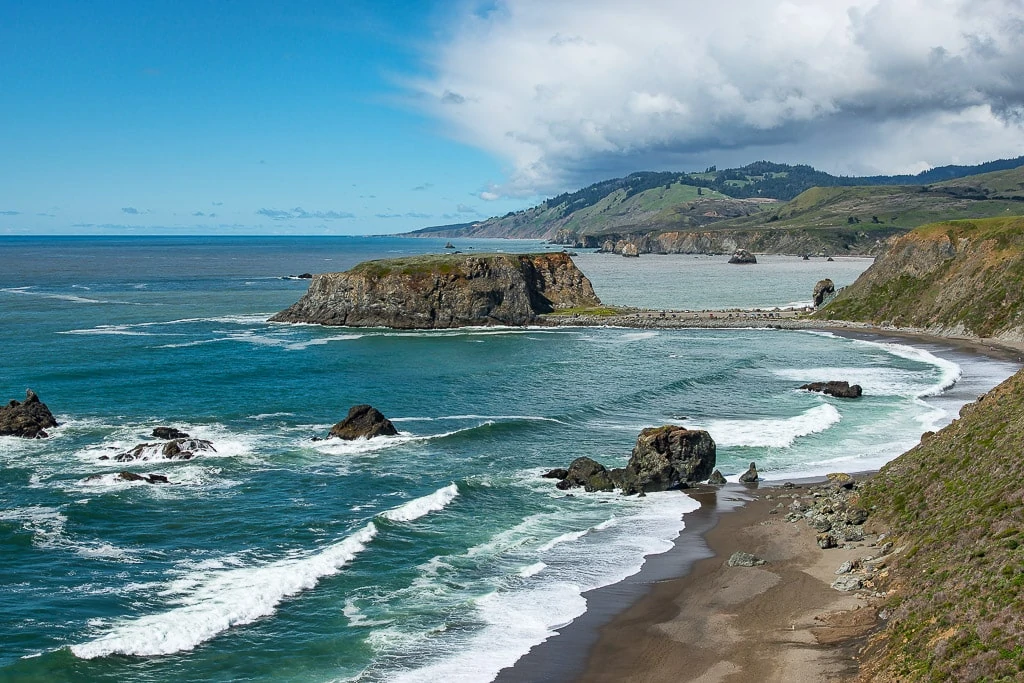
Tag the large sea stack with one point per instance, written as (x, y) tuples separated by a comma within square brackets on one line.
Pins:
[(443, 291)]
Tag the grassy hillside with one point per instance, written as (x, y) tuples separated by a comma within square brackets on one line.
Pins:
[(956, 277), (955, 504), (751, 198)]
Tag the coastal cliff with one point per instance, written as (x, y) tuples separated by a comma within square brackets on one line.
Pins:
[(852, 242), (444, 291), (956, 278), (955, 605)]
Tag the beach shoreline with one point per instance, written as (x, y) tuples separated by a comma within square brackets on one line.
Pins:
[(675, 620)]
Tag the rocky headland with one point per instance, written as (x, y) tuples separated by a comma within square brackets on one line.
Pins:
[(444, 291)]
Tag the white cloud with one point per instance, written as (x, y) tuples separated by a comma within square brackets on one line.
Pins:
[(568, 92)]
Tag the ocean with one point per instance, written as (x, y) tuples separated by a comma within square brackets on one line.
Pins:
[(437, 554)]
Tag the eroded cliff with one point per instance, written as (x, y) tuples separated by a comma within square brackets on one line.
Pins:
[(952, 278), (443, 291)]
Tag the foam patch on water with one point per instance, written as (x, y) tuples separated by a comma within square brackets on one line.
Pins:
[(770, 432), (380, 443), (28, 291), (220, 600), (48, 528), (419, 507)]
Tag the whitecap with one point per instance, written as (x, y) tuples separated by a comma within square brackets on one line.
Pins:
[(770, 432), (220, 600), (419, 507)]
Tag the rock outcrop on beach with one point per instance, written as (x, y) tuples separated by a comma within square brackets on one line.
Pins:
[(363, 422), (664, 458), (28, 419), (742, 256), (839, 389), (823, 290), (958, 278), (175, 449), (630, 250), (750, 476), (444, 291)]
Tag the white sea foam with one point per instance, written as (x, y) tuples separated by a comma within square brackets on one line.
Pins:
[(489, 418), (419, 507), (564, 538), (47, 526), (221, 600), (63, 297), (540, 599), (532, 570), (380, 443), (772, 432)]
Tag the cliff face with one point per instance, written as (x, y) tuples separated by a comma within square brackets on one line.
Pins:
[(956, 584), (444, 291), (832, 242), (953, 278)]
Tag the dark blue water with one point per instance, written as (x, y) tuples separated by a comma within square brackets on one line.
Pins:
[(435, 555)]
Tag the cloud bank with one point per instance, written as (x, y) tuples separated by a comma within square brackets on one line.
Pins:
[(298, 213), (567, 92)]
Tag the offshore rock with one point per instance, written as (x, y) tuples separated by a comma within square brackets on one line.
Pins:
[(363, 422), (742, 256), (630, 249), (169, 433), (824, 289), (668, 457), (132, 476), (588, 473), (838, 389), (444, 291), (750, 476), (557, 473), (28, 419)]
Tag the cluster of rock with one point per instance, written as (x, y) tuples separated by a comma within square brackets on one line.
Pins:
[(838, 389), (833, 512), (132, 476), (28, 419), (181, 448), (664, 458)]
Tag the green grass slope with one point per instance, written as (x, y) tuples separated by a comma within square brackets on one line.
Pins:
[(956, 277), (955, 503)]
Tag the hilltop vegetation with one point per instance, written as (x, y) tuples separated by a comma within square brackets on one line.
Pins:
[(956, 506), (953, 278), (752, 197)]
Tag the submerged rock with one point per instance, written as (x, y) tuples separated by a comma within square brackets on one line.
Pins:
[(833, 388), (363, 422), (28, 419), (176, 449), (750, 476), (742, 256)]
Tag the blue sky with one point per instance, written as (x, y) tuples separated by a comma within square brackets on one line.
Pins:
[(363, 117)]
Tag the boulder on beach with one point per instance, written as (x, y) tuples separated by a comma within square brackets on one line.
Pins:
[(833, 388), (742, 559), (363, 422), (742, 256), (750, 476), (840, 480), (716, 479), (28, 419)]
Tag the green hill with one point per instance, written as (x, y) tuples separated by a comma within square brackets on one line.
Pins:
[(952, 278), (752, 198), (955, 505)]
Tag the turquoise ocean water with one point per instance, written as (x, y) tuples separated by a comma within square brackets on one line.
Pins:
[(438, 554)]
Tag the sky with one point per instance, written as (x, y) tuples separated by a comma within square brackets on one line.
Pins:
[(363, 117)]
